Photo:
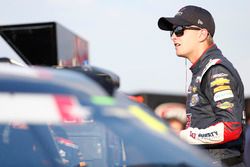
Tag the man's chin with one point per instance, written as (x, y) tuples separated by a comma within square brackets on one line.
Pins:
[(180, 55)]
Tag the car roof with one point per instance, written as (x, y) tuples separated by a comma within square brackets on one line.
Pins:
[(64, 78), (34, 108)]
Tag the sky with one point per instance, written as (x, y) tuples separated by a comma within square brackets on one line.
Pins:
[(124, 37)]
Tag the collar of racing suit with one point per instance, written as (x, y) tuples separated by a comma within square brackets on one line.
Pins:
[(198, 64)]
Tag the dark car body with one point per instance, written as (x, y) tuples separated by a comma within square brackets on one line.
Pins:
[(100, 130)]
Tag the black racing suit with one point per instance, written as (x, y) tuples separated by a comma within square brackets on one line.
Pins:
[(215, 107)]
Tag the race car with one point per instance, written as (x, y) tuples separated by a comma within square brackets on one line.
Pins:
[(98, 129)]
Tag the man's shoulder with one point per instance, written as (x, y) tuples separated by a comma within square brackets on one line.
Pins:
[(219, 62)]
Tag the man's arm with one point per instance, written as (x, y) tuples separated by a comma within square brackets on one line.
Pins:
[(220, 88)]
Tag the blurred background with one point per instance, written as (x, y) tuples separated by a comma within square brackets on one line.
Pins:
[(124, 37)]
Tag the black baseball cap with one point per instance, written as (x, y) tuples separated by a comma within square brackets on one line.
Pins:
[(187, 16)]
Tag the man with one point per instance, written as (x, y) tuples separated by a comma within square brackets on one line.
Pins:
[(215, 100)]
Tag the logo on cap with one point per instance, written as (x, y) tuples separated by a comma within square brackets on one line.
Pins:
[(179, 14), (200, 22)]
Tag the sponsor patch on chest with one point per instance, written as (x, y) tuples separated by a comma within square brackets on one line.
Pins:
[(194, 100)]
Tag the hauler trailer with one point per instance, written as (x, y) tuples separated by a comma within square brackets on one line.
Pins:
[(51, 44), (47, 44)]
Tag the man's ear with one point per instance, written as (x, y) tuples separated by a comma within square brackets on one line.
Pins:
[(203, 35)]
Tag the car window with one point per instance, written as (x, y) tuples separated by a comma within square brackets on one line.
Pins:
[(24, 145)]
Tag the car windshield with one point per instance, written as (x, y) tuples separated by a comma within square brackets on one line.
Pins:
[(97, 144)]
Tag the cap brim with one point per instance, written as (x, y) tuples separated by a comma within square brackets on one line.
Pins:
[(167, 23)]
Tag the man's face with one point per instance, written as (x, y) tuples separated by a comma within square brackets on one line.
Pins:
[(185, 40)]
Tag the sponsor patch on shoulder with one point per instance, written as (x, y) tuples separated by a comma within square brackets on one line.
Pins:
[(219, 82), (225, 105), (219, 75), (221, 88), (223, 95)]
